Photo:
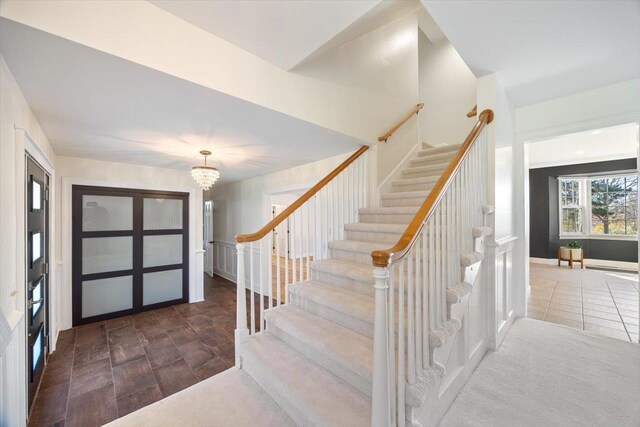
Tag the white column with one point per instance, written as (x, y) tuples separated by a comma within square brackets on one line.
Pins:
[(241, 333), (380, 408)]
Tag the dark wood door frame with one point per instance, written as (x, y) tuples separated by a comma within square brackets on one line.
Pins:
[(137, 233)]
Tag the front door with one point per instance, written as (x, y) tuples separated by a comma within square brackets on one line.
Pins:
[(37, 291)]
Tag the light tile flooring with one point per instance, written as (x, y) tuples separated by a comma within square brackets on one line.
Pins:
[(604, 302)]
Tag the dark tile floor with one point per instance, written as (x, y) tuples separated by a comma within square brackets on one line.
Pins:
[(105, 370)]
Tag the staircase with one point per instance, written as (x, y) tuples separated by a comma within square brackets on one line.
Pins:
[(315, 354)]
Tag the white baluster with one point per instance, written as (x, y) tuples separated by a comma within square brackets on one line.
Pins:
[(419, 284), (286, 262), (391, 341), (380, 407), (241, 332), (263, 243), (253, 298), (272, 247), (292, 248), (278, 266), (411, 350), (401, 340)]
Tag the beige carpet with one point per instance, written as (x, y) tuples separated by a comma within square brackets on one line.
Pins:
[(551, 375), (230, 398)]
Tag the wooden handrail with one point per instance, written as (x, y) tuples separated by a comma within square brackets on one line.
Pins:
[(243, 238), (386, 257), (473, 112), (415, 110)]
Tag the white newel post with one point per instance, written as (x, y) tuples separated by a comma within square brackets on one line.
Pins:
[(242, 332), (381, 400)]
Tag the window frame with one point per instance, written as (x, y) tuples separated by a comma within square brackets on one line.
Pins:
[(586, 207)]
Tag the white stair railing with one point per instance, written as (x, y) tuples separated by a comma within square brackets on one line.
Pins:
[(268, 265), (426, 273)]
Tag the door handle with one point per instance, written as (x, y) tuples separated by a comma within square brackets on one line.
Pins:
[(32, 303)]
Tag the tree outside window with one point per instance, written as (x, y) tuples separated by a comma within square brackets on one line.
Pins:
[(614, 205)]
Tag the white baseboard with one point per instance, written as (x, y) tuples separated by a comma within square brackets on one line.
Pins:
[(590, 262), (546, 261), (621, 265)]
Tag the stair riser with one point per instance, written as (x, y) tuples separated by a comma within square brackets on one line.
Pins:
[(357, 257), (423, 186), (440, 149), (356, 381), (429, 161), (446, 155), (252, 367), (403, 202), (343, 282), (368, 236), (386, 219), (422, 174)]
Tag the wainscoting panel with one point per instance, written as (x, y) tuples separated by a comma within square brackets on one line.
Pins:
[(504, 287)]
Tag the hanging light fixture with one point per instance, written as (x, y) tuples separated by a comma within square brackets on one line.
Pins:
[(205, 175)]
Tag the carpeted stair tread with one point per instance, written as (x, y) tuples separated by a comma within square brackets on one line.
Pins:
[(311, 395), (405, 195), (413, 181), (221, 400), (389, 210), (346, 353), (451, 149), (376, 228), (352, 310), (351, 276)]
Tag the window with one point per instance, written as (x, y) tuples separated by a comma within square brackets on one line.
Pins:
[(599, 206), (614, 205), (571, 206)]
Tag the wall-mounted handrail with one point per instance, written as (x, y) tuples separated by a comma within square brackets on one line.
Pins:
[(386, 257), (244, 238), (390, 132), (473, 112)]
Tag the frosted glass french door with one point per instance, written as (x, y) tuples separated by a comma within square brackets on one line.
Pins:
[(130, 251)]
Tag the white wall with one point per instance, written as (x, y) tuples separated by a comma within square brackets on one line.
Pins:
[(384, 64), (505, 278), (607, 106), (240, 206), (156, 39), (14, 113), (448, 90), (72, 170)]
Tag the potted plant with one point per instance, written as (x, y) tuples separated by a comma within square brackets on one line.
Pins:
[(572, 252)]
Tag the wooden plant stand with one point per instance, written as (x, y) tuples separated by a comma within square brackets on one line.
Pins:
[(570, 258)]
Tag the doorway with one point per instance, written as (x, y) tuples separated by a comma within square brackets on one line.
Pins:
[(582, 193), (37, 236), (130, 251)]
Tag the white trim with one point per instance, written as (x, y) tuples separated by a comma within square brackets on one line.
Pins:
[(582, 126), (586, 206), (620, 237), (545, 261), (396, 172), (591, 262), (196, 279)]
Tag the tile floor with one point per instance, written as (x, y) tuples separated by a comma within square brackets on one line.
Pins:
[(604, 302), (105, 370)]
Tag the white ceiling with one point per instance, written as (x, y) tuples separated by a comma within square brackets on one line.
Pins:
[(94, 105), (544, 49), (282, 32), (618, 142)]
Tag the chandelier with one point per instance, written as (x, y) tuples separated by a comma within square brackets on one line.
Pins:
[(205, 175)]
